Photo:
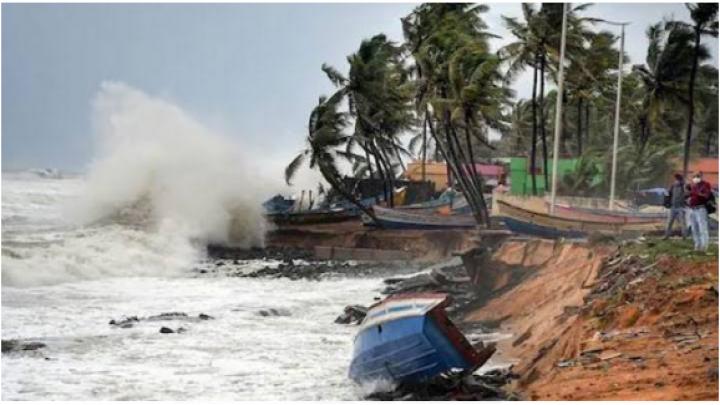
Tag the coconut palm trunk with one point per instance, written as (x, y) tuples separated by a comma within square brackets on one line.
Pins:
[(587, 122), (691, 103), (424, 147), (543, 134), (579, 126), (533, 144)]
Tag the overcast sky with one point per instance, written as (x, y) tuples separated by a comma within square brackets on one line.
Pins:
[(251, 71)]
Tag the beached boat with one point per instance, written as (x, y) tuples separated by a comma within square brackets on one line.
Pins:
[(409, 338), (524, 221), (312, 217), (402, 219), (598, 214), (278, 204)]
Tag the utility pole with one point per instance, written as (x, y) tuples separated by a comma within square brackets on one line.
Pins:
[(617, 114), (558, 110)]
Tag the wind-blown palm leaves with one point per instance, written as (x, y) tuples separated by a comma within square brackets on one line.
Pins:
[(704, 17), (516, 137), (538, 47), (588, 79), (668, 64), (325, 140), (378, 92), (444, 87), (458, 87)]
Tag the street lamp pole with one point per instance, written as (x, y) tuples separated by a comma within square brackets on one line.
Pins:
[(617, 114)]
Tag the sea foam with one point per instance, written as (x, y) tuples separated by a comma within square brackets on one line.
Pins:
[(161, 187)]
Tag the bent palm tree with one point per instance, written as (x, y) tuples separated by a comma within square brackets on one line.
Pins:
[(668, 65), (325, 137), (704, 16)]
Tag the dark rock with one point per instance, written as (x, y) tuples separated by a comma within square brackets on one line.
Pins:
[(352, 314), (168, 316), (130, 321), (165, 329), (273, 312), (13, 345), (126, 322), (270, 252)]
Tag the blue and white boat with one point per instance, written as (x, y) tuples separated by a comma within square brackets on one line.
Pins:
[(408, 338)]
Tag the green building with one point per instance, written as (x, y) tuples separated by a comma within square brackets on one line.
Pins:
[(521, 180)]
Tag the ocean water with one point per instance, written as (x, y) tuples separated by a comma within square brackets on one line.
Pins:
[(63, 282)]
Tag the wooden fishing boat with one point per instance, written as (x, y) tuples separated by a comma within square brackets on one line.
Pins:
[(312, 217), (597, 214), (520, 220), (425, 206), (409, 338), (401, 219)]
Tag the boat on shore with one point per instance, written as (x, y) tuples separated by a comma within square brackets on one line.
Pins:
[(312, 217), (598, 214), (523, 221), (408, 338), (390, 218)]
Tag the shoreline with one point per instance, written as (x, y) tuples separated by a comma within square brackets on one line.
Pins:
[(528, 293)]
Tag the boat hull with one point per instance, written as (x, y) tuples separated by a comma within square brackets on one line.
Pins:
[(399, 219), (410, 347), (590, 214), (528, 228), (541, 224), (310, 218)]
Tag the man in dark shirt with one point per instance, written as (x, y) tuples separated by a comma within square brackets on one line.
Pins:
[(676, 194), (700, 193)]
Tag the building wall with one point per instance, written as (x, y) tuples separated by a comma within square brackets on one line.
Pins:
[(521, 180), (709, 167)]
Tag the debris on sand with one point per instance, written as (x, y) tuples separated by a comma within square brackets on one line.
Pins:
[(454, 386), (451, 280)]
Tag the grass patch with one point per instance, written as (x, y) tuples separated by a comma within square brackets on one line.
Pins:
[(653, 248)]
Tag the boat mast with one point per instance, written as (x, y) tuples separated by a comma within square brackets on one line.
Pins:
[(558, 110), (617, 114)]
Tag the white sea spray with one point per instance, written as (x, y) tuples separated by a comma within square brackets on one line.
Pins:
[(161, 187)]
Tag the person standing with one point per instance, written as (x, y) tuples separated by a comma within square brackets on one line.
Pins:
[(700, 193), (676, 206)]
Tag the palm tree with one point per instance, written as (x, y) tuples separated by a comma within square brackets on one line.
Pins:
[(668, 64), (478, 97), (435, 32), (521, 54), (325, 138), (704, 16), (549, 32), (378, 92), (707, 122), (588, 78), (515, 137)]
